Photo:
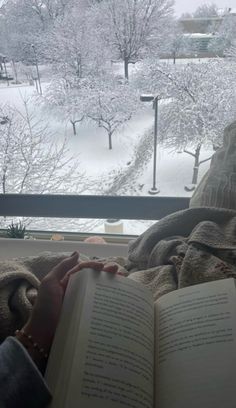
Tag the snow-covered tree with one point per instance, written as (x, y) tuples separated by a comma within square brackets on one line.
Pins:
[(67, 102), (201, 102), (27, 22), (177, 43), (186, 15), (30, 162), (42, 13), (201, 110), (47, 11), (73, 45), (65, 45), (21, 29), (111, 104), (231, 54), (225, 35), (130, 27), (104, 99), (207, 15), (206, 10)]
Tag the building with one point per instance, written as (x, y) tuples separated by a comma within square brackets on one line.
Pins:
[(200, 34)]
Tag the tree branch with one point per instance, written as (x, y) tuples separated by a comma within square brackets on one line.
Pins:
[(204, 161), (188, 152)]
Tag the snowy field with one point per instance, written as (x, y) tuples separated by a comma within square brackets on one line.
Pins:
[(90, 147)]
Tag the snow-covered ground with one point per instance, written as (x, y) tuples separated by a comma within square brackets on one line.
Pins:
[(90, 146)]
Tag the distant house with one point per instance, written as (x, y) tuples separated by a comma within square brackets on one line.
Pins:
[(194, 25), (199, 45), (200, 32)]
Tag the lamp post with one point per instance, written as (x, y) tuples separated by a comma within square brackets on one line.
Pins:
[(37, 68), (155, 99)]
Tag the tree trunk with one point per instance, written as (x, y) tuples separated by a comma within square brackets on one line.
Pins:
[(15, 71), (4, 182), (110, 140), (36, 84), (126, 66), (196, 165), (74, 127), (174, 57)]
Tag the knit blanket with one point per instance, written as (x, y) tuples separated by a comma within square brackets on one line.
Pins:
[(185, 248)]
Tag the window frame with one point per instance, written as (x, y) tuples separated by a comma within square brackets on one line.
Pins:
[(90, 206)]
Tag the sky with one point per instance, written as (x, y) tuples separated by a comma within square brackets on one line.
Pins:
[(184, 6)]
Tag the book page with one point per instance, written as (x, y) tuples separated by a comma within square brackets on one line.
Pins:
[(113, 347), (61, 355), (196, 347)]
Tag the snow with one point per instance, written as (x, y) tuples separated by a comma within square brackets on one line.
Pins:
[(184, 61), (14, 94), (199, 35), (90, 146), (174, 171), (147, 96)]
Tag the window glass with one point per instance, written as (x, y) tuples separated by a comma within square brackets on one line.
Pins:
[(69, 228), (113, 97)]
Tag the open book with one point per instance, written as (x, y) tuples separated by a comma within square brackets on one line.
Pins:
[(114, 347)]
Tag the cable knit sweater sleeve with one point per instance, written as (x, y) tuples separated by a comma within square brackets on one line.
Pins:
[(21, 383)]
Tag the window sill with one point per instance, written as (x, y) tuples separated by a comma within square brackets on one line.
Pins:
[(15, 248)]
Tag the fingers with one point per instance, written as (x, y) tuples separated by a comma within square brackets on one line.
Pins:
[(64, 281), (111, 268), (63, 267), (97, 266)]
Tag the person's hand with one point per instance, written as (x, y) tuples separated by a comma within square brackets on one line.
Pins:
[(46, 311), (96, 265), (44, 318)]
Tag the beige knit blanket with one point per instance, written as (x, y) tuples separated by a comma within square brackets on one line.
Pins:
[(185, 248)]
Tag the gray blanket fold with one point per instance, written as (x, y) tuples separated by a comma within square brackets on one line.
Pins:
[(185, 248)]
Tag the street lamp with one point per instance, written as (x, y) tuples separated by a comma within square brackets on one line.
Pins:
[(37, 68), (155, 99)]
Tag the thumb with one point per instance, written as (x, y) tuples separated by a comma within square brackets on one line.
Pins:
[(64, 281), (59, 271)]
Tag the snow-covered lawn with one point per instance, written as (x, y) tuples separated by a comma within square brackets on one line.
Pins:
[(90, 146), (14, 94)]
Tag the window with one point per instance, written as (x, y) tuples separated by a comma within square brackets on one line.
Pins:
[(94, 103)]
